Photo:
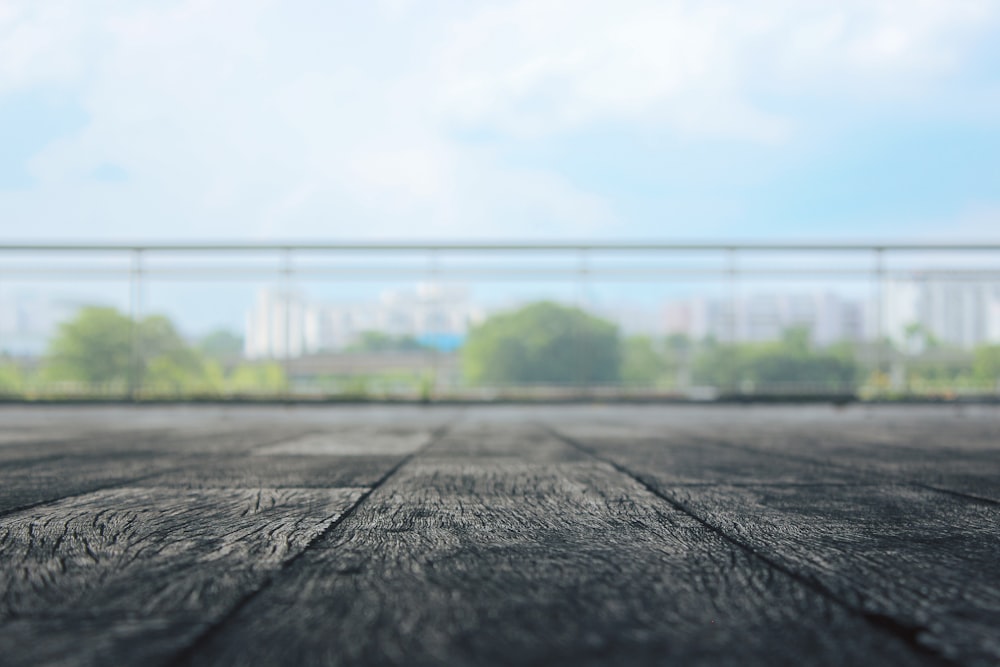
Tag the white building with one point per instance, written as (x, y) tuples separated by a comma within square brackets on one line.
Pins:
[(275, 327), (431, 310), (956, 312), (29, 320), (762, 317)]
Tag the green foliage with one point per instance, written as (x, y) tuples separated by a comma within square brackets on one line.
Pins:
[(543, 343), (12, 380), (642, 363), (376, 341), (96, 348), (789, 364), (918, 338), (263, 378), (986, 364), (221, 344)]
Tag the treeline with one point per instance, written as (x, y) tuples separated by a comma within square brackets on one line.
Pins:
[(103, 352), (547, 343)]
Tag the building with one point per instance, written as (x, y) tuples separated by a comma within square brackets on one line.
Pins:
[(766, 316), (286, 324), (29, 320), (961, 313)]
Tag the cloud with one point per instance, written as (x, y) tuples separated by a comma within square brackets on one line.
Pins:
[(260, 118)]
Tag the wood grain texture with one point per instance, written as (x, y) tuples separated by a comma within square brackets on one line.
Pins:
[(922, 561), (155, 550), (109, 640), (276, 471), (48, 471), (529, 563), (678, 535), (951, 448), (142, 566)]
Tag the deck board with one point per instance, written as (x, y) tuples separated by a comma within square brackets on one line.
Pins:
[(503, 535), (455, 562), (920, 560)]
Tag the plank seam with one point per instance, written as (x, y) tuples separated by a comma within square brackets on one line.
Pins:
[(896, 479), (131, 480), (187, 653), (908, 634)]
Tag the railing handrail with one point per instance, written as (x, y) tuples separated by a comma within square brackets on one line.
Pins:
[(506, 246)]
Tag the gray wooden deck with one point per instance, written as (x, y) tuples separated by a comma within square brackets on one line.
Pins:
[(515, 536)]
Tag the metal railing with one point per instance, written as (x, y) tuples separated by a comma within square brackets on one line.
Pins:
[(732, 268)]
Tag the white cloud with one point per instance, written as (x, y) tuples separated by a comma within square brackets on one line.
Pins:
[(257, 118)]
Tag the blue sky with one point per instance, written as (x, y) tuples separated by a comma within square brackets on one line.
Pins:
[(257, 119)]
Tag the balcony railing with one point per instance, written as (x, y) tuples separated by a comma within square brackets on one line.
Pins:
[(693, 320)]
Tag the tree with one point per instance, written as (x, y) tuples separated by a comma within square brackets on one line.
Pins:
[(788, 363), (11, 379), (96, 347), (986, 364), (376, 341), (221, 344), (543, 343), (266, 378), (642, 363)]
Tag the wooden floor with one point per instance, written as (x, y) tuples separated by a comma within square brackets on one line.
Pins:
[(500, 535)]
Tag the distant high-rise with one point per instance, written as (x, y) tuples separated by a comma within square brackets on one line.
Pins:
[(762, 317), (961, 313), (286, 324)]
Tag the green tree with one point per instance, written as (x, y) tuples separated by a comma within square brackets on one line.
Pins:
[(543, 342), (96, 348), (221, 344), (263, 378), (790, 363), (642, 363), (11, 379), (986, 364), (376, 341)]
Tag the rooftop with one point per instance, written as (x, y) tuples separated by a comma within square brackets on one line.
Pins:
[(577, 534)]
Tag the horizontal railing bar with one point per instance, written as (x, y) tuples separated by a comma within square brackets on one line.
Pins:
[(502, 246), (195, 273)]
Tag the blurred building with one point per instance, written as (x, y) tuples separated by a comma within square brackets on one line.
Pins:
[(761, 317), (287, 324), (29, 320), (962, 313)]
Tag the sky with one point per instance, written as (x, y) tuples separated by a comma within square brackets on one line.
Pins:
[(501, 119)]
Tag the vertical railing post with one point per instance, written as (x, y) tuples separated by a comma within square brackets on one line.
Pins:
[(879, 313), (428, 386), (286, 271), (134, 313), (583, 365), (732, 270)]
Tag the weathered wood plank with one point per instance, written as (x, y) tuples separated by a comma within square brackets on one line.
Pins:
[(489, 443), (354, 457), (531, 563), (941, 447), (63, 469), (922, 560), (155, 550), (110, 640), (161, 561), (354, 441), (276, 471), (680, 458), (928, 457)]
